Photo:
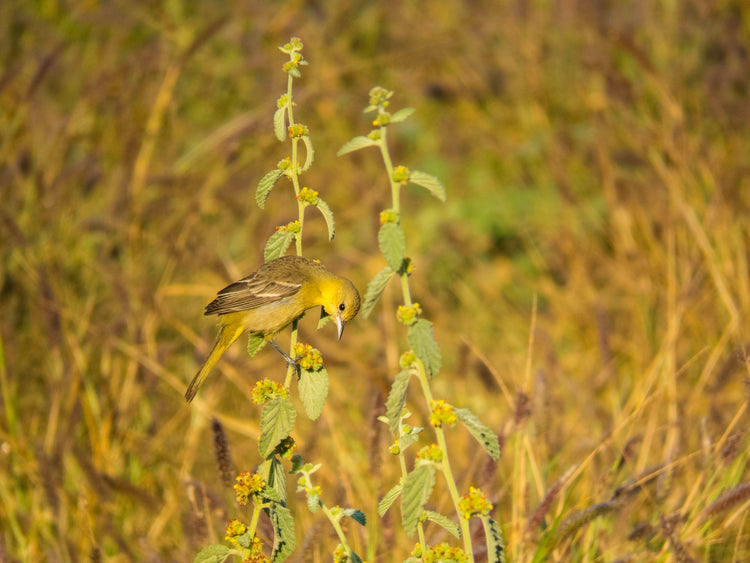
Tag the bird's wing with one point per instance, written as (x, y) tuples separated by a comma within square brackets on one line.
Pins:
[(250, 293)]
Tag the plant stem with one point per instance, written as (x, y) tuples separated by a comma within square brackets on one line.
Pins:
[(446, 468)]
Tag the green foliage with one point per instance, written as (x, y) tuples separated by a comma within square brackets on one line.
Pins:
[(310, 154), (356, 515), (392, 241), (443, 521), (328, 216), (356, 143), (255, 341), (428, 182), (279, 125), (375, 289), (276, 422), (284, 539), (495, 542), (422, 341), (313, 390), (416, 490), (265, 186), (276, 480), (389, 498), (277, 245), (484, 435), (396, 401), (401, 115), (212, 554)]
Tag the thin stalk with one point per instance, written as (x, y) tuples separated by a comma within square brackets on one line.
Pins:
[(446, 469), (337, 526), (257, 508), (395, 186)]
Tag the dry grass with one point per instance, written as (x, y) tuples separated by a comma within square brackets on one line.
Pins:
[(596, 163)]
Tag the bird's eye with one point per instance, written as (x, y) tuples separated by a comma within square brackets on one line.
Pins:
[(342, 307)]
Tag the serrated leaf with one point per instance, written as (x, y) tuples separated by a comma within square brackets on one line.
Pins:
[(392, 241), (401, 115), (428, 182), (422, 340), (255, 342), (265, 186), (313, 501), (356, 143), (279, 123), (328, 216), (284, 540), (313, 390), (449, 525), (276, 422), (411, 438), (212, 554), (244, 540), (309, 153), (276, 479), (484, 434), (394, 405), (277, 245), (386, 502), (357, 515), (375, 289), (417, 488), (270, 494), (495, 542)]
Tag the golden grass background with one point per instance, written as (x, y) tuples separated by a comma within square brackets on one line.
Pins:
[(588, 277)]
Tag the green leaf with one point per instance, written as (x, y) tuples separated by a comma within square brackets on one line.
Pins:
[(375, 289), (255, 342), (394, 405), (328, 216), (279, 123), (484, 435), (265, 186), (411, 438), (313, 390), (244, 540), (355, 144), (284, 540), (401, 115), (449, 525), (392, 241), (428, 182), (313, 501), (309, 153), (212, 554), (276, 421), (355, 558), (386, 502), (277, 245), (276, 478), (494, 536), (357, 515), (417, 488), (422, 340)]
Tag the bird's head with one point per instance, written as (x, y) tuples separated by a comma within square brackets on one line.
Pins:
[(341, 302)]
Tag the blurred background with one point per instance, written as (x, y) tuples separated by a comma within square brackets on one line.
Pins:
[(588, 276)]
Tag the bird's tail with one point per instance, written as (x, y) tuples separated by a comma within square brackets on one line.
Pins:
[(227, 335)]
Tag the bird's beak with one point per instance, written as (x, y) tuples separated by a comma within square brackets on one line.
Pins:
[(340, 325)]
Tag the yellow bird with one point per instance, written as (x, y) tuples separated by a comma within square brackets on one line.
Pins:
[(270, 299)]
